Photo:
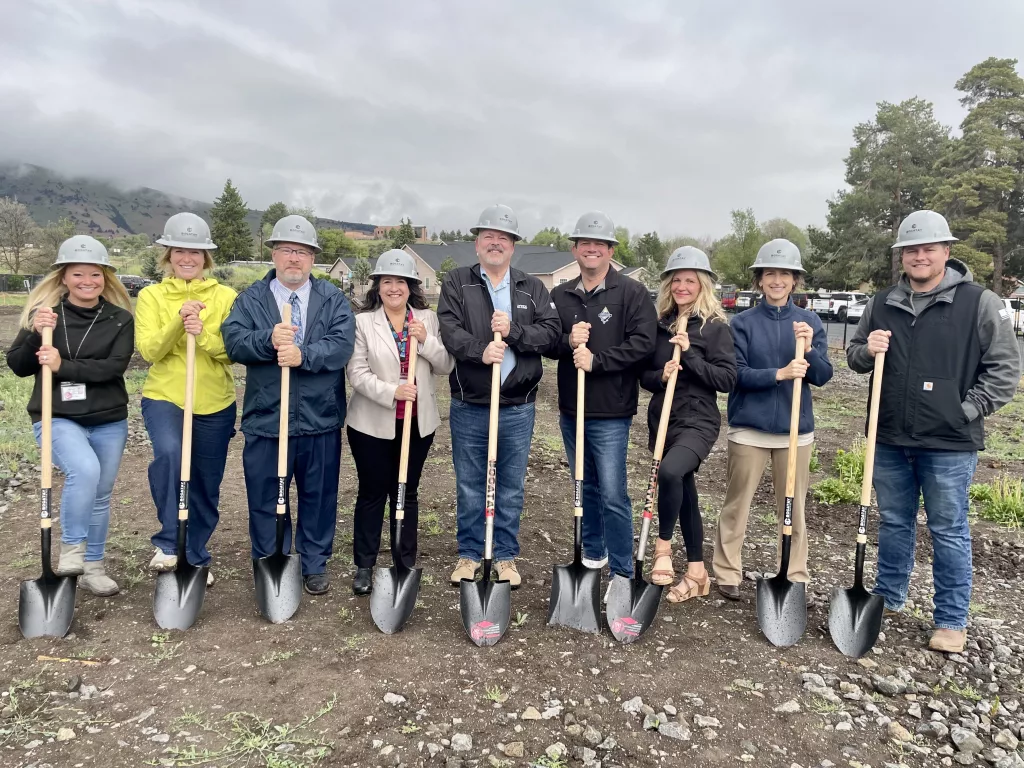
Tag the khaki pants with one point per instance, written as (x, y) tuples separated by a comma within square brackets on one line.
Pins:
[(743, 474)]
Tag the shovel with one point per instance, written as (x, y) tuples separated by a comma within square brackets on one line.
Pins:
[(575, 589), (781, 603), (46, 605), (486, 605), (633, 603), (395, 588), (279, 576), (179, 594), (855, 615)]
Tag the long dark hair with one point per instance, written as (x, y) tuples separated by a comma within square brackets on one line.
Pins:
[(372, 299)]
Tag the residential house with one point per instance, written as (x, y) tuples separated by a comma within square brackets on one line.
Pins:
[(639, 274)]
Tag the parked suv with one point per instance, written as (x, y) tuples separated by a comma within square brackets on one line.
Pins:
[(133, 283), (746, 300), (855, 311)]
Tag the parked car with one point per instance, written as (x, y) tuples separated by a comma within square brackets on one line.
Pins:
[(1015, 307), (819, 304), (838, 304), (801, 299), (728, 298), (746, 300), (855, 311), (134, 283)]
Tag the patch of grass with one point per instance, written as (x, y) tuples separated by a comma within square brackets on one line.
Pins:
[(26, 558), (1001, 502), (977, 609), (495, 694), (13, 299), (189, 718), (134, 379), (815, 464), (353, 643), (17, 442), (430, 523), (550, 762), (275, 657), (963, 691), (345, 615), (129, 543), (769, 519), (820, 706), (165, 650), (27, 719), (132, 577), (844, 486), (253, 740)]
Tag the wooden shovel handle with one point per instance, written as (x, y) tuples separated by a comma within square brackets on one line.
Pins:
[(403, 459), (492, 426), (581, 379), (46, 441), (186, 424), (282, 425), (666, 407), (794, 426), (869, 449)]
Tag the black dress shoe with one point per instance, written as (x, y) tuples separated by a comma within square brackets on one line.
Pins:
[(316, 583), (362, 584), (729, 591)]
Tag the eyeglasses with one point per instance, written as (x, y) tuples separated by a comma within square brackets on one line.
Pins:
[(284, 251)]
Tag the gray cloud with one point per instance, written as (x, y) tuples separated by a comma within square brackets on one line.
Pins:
[(664, 115)]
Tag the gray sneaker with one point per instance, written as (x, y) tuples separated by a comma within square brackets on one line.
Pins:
[(72, 560), (95, 580)]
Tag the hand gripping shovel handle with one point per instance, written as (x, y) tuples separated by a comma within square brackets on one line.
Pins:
[(869, 467), (659, 450), (577, 484), (46, 443), (492, 464), (403, 460), (282, 439)]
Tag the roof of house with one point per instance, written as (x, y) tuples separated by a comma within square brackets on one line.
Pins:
[(532, 259), (629, 270)]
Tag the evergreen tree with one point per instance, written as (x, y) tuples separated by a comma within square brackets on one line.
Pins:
[(446, 266), (273, 214), (404, 235), (230, 230)]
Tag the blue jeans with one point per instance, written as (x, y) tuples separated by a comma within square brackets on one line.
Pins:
[(607, 510), (468, 424), (89, 457), (211, 434), (944, 477)]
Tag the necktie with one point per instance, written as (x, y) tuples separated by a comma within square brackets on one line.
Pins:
[(296, 317)]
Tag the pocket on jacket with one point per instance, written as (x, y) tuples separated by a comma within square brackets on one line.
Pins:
[(939, 412)]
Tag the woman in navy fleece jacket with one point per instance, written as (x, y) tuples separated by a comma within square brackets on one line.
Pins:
[(759, 412)]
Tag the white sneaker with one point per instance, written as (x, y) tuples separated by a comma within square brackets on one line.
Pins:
[(595, 565), (163, 562)]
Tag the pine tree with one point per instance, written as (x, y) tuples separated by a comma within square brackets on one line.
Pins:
[(230, 230), (404, 235), (446, 266)]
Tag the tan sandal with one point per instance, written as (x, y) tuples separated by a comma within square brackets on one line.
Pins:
[(662, 573), (700, 588)]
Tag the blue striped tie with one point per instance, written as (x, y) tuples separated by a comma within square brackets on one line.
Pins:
[(296, 317)]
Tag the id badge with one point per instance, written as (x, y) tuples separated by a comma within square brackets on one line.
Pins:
[(69, 391)]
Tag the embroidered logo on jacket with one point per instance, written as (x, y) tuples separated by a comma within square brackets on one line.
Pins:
[(605, 316)]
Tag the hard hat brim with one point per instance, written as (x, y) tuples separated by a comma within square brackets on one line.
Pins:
[(666, 272), (276, 240), (924, 241), (789, 267), (602, 238), (105, 265), (395, 273), (515, 235), (182, 244)]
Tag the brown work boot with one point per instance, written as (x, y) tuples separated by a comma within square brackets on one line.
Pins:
[(948, 640), (729, 591), (95, 580), (464, 569), (507, 571)]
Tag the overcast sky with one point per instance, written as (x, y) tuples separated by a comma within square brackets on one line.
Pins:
[(664, 114)]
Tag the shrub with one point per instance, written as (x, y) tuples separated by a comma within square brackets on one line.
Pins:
[(844, 488)]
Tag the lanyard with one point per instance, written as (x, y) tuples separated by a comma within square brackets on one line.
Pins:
[(67, 338), (401, 339)]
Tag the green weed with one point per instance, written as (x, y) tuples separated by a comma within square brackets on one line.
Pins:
[(1001, 502), (275, 657), (963, 691), (820, 706), (844, 487), (520, 619)]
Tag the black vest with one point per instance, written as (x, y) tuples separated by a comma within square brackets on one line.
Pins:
[(932, 362)]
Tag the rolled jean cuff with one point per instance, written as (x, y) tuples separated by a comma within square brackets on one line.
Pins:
[(961, 628)]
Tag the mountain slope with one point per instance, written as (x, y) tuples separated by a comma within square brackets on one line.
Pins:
[(99, 208)]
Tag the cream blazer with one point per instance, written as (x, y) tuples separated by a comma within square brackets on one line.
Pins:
[(374, 372)]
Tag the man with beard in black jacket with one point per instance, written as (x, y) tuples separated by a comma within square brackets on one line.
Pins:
[(608, 329), (477, 302)]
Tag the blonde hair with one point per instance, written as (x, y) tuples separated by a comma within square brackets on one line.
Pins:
[(164, 262), (51, 291), (707, 306)]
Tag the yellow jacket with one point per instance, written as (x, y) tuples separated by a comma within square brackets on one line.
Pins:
[(160, 338)]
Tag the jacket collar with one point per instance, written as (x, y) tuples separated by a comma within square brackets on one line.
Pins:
[(515, 276), (611, 281), (383, 329), (776, 313)]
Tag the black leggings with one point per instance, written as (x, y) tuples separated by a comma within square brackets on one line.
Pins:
[(377, 467), (677, 498)]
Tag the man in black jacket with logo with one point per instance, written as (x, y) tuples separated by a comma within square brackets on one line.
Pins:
[(608, 328), (477, 302), (951, 359)]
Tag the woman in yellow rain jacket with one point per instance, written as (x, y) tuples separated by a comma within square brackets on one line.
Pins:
[(186, 302)]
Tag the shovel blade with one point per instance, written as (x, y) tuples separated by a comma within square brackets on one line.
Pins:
[(393, 598), (179, 595), (278, 580), (486, 608), (46, 606), (854, 620), (781, 610), (575, 598), (632, 606)]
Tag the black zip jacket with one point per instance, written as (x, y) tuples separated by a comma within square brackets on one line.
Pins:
[(100, 364), (623, 323), (464, 313), (708, 367)]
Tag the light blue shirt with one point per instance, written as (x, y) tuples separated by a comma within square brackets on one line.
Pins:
[(501, 298), (283, 294)]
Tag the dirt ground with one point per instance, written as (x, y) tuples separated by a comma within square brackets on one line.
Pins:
[(236, 690)]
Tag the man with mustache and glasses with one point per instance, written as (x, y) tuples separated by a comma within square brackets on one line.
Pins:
[(951, 360), (477, 302), (316, 345)]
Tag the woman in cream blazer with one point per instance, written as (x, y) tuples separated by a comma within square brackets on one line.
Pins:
[(393, 311)]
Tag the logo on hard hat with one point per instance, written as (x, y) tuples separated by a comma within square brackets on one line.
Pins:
[(913, 226), (188, 230)]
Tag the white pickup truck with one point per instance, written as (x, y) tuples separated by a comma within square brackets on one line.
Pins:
[(819, 303), (1015, 308)]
